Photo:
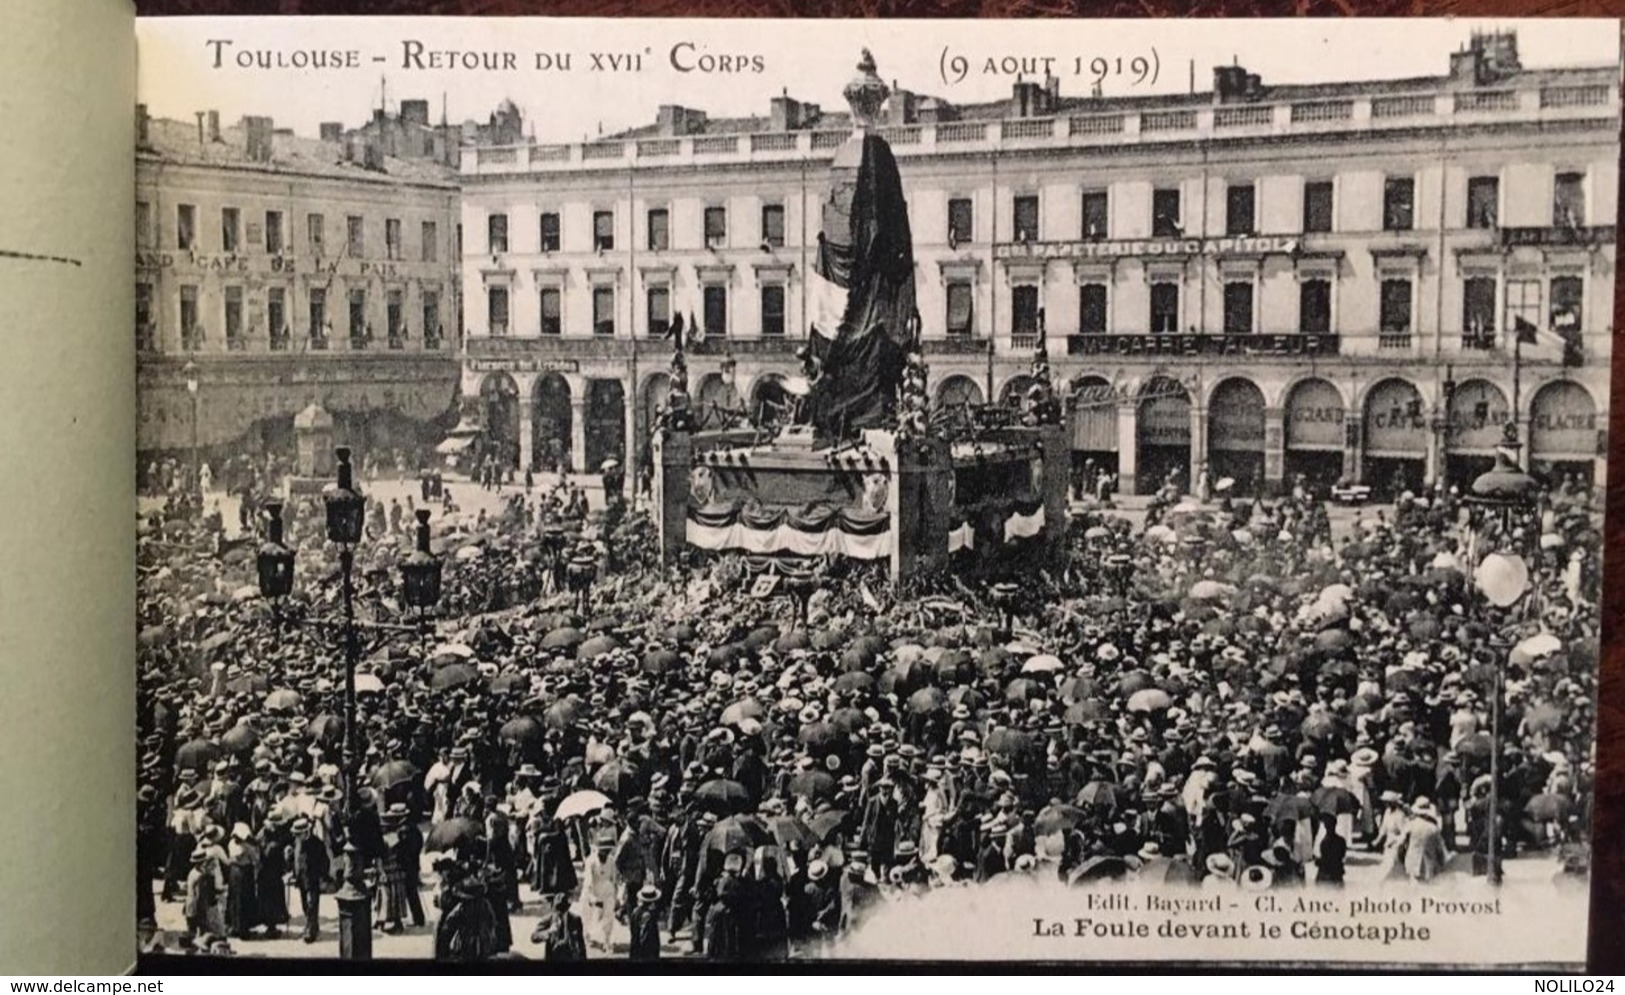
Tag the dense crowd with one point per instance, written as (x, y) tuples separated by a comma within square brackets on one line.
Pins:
[(1226, 694)]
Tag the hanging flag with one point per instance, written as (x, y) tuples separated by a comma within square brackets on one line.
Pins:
[(1534, 342)]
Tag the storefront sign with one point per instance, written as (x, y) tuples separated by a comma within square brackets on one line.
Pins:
[(1394, 422), (1153, 247), (1477, 418), (1583, 235), (1314, 417), (1166, 421), (528, 365), (187, 262), (1236, 419), (1563, 424)]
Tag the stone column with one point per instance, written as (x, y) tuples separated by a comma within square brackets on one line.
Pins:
[(1128, 452), (1353, 446), (578, 431), (1198, 458), (673, 454), (1274, 450), (527, 432), (1056, 444)]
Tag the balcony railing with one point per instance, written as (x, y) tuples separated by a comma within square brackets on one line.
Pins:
[(1202, 344), (280, 341), (1478, 341), (1023, 341), (1577, 96), (1395, 340), (954, 345), (319, 343), (764, 345)]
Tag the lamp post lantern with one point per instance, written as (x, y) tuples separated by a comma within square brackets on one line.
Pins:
[(346, 516), (190, 370), (420, 572), (275, 560), (1506, 492)]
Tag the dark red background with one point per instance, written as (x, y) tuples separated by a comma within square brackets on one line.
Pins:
[(1608, 887)]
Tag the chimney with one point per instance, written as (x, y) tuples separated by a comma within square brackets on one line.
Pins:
[(332, 131), (214, 126), (785, 113), (201, 135), (415, 112), (259, 132), (673, 121), (373, 157), (1233, 83), (143, 131)]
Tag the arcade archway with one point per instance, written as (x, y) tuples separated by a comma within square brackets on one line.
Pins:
[(1235, 435), (1315, 435), (1396, 439), (1093, 405), (1163, 435), (958, 391), (1477, 419), (499, 412), (550, 421), (1563, 432), (606, 424)]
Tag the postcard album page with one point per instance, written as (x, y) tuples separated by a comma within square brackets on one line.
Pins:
[(1065, 491)]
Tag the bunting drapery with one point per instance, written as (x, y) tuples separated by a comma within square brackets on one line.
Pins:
[(814, 530)]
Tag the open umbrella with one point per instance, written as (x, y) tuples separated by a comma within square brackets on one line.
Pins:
[(563, 714), (1286, 807), (453, 833), (240, 738), (1043, 663), (524, 731), (1334, 801), (824, 825), (581, 803), (854, 682), (722, 796), (510, 681), (1149, 700), (1008, 742), (955, 666), (453, 676), (1081, 712), (451, 653), (1057, 819), (1334, 640), (1101, 794), (926, 700), (1022, 690), (617, 779), (658, 661), (1548, 807), (368, 684), (1320, 726), (787, 830), (739, 711), (597, 646), (282, 700), (848, 720), (393, 773), (1210, 590), (1102, 868), (1533, 648), (326, 728), (967, 696), (248, 684), (738, 832), (1134, 680), (1479, 745), (1544, 717), (813, 784), (563, 638)]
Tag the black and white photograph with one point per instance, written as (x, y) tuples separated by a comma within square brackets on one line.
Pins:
[(871, 490)]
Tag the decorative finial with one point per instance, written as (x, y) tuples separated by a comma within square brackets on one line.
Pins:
[(866, 93)]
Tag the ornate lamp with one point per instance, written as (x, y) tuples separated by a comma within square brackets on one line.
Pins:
[(275, 560), (420, 572), (346, 508)]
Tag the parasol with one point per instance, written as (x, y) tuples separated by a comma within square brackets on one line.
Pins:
[(1008, 742), (393, 773), (1101, 794), (926, 700), (282, 700), (854, 682), (1043, 663), (524, 730), (1022, 690), (597, 646), (617, 779), (812, 783), (564, 637), (562, 714), (1210, 590), (241, 738), (722, 796), (1057, 819), (848, 720), (452, 676), (824, 825), (659, 661), (326, 728), (789, 831), (1534, 648), (1149, 700), (739, 711), (580, 803), (738, 832), (368, 684), (453, 833), (1080, 712)]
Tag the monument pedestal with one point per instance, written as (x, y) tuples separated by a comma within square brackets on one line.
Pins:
[(313, 452)]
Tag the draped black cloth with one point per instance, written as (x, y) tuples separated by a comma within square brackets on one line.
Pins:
[(867, 248)]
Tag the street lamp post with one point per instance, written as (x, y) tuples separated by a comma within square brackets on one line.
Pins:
[(1505, 491), (346, 514), (1004, 598), (190, 369), (420, 573), (274, 562)]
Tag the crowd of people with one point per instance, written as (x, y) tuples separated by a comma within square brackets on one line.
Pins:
[(1226, 694)]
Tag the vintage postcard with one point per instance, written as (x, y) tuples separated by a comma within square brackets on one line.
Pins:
[(758, 491)]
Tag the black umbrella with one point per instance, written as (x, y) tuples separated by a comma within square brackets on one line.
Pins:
[(722, 796), (738, 832), (453, 833)]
